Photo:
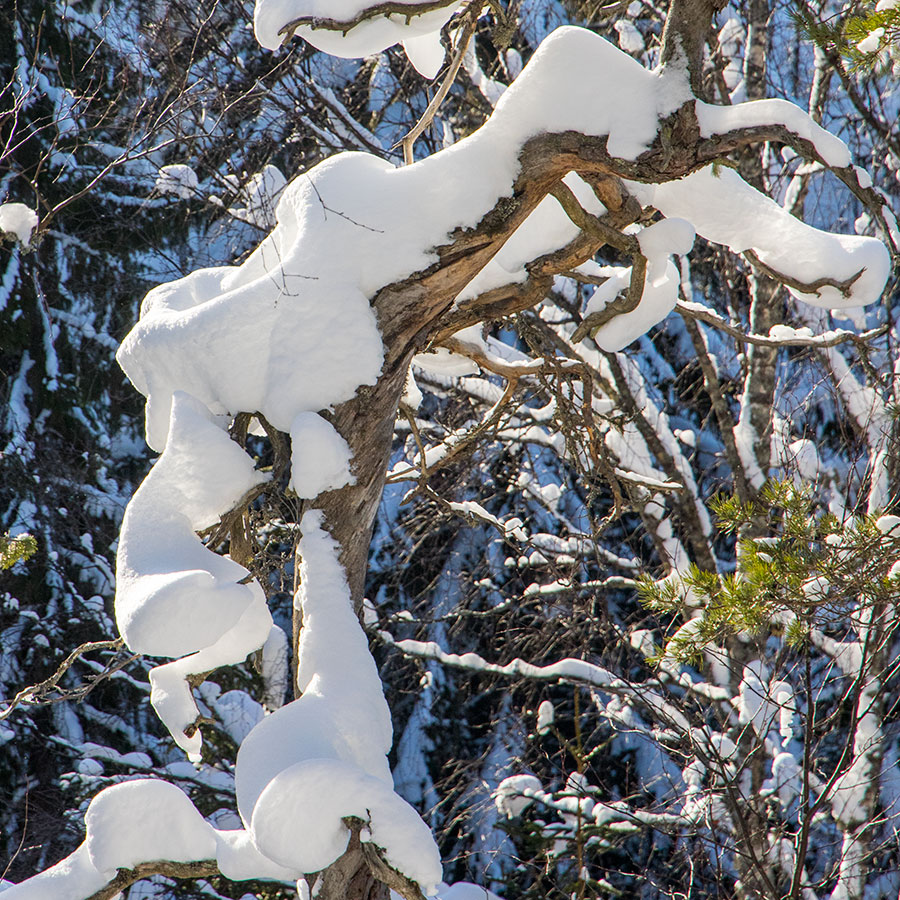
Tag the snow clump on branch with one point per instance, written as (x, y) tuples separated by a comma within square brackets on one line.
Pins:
[(18, 220), (353, 28)]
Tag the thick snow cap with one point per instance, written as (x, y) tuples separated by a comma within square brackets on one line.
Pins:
[(292, 330), (173, 595), (419, 32)]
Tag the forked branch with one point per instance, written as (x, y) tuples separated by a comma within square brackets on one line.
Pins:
[(36, 694)]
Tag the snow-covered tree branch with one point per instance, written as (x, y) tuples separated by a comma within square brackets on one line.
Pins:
[(600, 195)]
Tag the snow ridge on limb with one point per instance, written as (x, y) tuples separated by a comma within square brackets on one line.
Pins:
[(819, 268), (141, 828), (352, 28), (174, 596), (346, 230), (323, 757), (298, 310)]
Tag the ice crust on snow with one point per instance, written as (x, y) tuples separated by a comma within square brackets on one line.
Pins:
[(18, 219)]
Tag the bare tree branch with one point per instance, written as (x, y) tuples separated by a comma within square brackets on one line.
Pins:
[(127, 877), (35, 694)]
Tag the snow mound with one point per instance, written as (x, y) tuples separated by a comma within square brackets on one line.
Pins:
[(167, 827), (173, 595), (708, 199), (72, 878), (239, 860), (286, 332), (660, 285), (284, 829), (291, 330), (19, 220), (721, 119), (141, 821), (324, 756), (320, 457), (171, 694), (426, 53)]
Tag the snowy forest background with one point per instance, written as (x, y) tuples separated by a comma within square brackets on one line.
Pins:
[(646, 774)]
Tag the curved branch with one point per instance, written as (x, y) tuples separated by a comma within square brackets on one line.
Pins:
[(127, 877), (702, 313), (593, 225), (712, 149), (389, 8), (626, 243), (804, 287), (387, 875), (618, 307), (31, 695), (468, 30)]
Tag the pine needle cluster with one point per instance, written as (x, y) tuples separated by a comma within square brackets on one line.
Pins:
[(798, 567)]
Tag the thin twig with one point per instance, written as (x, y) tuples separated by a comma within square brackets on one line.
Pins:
[(31, 694), (829, 339), (468, 30)]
